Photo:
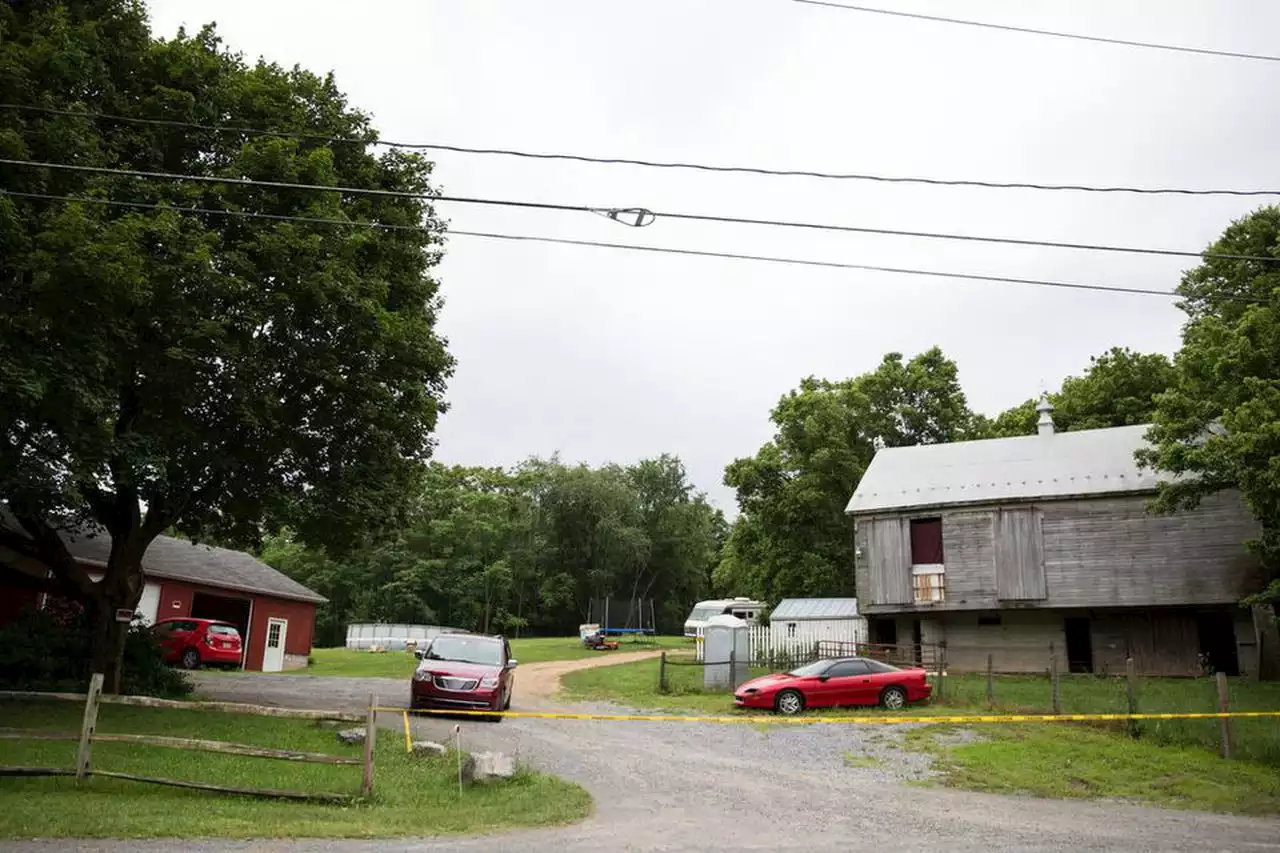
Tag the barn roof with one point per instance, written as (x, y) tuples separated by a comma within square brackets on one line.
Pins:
[(1057, 465), (799, 609), (181, 560)]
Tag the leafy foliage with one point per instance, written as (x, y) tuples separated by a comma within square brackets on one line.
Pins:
[(49, 650), (1119, 388), (793, 538), (1218, 425), (221, 372), (523, 550)]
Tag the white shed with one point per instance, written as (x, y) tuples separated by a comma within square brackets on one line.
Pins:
[(797, 624)]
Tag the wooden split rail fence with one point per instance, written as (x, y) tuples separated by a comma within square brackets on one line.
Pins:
[(89, 734)]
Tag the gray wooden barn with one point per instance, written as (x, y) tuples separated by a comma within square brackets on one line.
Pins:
[(1009, 545)]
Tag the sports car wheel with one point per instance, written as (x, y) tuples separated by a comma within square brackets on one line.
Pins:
[(894, 698), (789, 702)]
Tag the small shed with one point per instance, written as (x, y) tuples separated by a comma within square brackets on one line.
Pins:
[(805, 621)]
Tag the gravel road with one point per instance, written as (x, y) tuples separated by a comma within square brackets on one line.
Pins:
[(710, 788)]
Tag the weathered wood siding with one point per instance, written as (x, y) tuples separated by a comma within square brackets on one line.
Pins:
[(887, 552), (1101, 552), (1160, 642), (1020, 643), (1019, 546)]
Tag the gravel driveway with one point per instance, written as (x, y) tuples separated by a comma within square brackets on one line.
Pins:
[(711, 788)]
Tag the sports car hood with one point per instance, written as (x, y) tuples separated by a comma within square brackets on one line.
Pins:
[(767, 682)]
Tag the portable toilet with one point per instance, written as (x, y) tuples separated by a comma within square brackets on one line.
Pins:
[(724, 653)]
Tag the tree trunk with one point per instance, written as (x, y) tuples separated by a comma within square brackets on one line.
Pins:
[(106, 652)]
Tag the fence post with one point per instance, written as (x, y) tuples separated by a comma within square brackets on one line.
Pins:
[(991, 680), (87, 725), (942, 669), (662, 673), (1053, 678), (370, 734), (1131, 676), (1224, 722)]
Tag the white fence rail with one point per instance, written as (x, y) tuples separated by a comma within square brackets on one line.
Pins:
[(789, 643), (367, 635)]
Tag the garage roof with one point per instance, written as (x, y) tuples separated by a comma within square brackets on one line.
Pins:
[(800, 609), (181, 560)]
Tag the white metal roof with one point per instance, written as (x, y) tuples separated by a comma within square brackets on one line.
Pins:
[(799, 609), (1058, 465)]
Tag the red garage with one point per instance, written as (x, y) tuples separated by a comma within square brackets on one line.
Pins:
[(275, 614)]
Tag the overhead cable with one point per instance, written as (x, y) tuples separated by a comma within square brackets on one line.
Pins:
[(641, 217), (1033, 31), (671, 250), (656, 164)]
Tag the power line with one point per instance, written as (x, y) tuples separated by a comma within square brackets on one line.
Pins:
[(644, 217), (669, 250), (1054, 33), (656, 164)]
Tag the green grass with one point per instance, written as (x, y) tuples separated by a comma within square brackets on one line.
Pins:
[(356, 663), (411, 796), (864, 761), (1082, 762)]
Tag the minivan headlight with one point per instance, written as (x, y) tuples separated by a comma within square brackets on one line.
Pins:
[(489, 682)]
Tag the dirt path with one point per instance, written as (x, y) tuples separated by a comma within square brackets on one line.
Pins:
[(536, 683)]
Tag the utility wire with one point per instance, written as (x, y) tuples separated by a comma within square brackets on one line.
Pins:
[(656, 164), (1054, 33), (644, 217), (772, 259)]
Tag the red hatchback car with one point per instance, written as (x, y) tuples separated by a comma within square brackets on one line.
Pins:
[(467, 672), (193, 643), (828, 683)]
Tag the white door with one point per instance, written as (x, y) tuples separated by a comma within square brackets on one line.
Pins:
[(273, 655), (149, 603)]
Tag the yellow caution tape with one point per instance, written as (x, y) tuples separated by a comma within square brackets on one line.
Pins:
[(859, 720)]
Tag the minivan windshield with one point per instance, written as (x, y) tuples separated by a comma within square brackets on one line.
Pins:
[(464, 649)]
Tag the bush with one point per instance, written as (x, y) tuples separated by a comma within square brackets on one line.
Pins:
[(49, 651)]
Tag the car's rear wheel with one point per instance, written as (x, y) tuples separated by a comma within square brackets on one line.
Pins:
[(789, 702), (894, 698), (191, 659)]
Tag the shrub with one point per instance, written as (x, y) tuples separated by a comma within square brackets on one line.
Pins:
[(49, 650)]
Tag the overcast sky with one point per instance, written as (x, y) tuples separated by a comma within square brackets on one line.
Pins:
[(605, 355)]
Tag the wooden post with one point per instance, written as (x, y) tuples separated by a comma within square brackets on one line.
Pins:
[(942, 669), (1131, 676), (662, 673), (1224, 722), (370, 735), (87, 725), (1053, 678), (991, 680)]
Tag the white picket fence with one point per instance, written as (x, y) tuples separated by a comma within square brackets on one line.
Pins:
[(793, 643)]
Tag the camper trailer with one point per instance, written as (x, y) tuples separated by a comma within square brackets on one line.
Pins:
[(744, 608)]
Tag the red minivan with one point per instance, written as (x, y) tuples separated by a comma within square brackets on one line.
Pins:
[(193, 643), (467, 672)]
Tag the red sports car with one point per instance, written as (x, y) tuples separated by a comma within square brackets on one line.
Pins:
[(468, 672), (842, 681), (193, 643)]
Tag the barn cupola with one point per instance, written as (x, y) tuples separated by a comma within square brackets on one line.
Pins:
[(1044, 426)]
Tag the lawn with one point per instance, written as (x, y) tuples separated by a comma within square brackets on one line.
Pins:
[(1077, 761), (411, 796), (355, 663), (636, 685)]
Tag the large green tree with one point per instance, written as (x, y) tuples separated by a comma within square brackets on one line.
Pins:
[(1119, 388), (163, 369), (792, 537), (1218, 426)]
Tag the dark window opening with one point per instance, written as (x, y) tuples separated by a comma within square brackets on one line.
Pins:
[(926, 541), (1079, 644), (791, 629), (1218, 642), (233, 611), (884, 632), (988, 621)]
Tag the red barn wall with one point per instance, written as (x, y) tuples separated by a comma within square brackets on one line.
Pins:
[(176, 598), (14, 600)]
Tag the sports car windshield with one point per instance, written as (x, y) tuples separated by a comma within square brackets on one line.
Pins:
[(815, 668)]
